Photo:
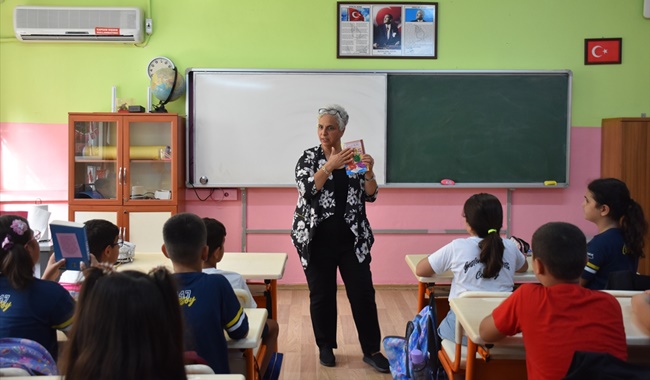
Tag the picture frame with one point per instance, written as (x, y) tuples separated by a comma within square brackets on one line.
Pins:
[(387, 30), (603, 51)]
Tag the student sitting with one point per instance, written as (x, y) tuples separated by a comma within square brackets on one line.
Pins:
[(30, 308), (208, 302), (558, 317), (103, 244), (128, 326), (216, 240), (483, 262)]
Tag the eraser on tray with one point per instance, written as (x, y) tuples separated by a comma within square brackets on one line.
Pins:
[(550, 183), (447, 182)]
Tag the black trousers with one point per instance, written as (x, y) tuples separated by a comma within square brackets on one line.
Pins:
[(326, 256)]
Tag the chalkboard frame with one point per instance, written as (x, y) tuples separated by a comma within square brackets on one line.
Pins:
[(381, 170)]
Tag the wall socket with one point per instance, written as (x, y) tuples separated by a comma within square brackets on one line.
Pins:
[(226, 194)]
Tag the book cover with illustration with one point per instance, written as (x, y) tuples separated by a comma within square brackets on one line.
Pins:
[(356, 166), (70, 243)]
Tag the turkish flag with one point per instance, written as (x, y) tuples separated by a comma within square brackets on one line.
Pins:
[(355, 15), (603, 51)]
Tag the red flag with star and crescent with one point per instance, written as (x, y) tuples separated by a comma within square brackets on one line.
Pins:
[(355, 15), (605, 50)]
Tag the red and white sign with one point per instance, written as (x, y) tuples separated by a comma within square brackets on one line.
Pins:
[(600, 51), (107, 31)]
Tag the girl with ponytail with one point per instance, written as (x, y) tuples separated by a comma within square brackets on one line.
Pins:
[(485, 261)]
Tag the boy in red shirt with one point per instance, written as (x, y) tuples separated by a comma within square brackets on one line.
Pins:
[(558, 317)]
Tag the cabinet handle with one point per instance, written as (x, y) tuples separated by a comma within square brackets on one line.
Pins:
[(119, 176)]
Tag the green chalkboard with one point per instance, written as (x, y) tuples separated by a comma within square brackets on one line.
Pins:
[(492, 129)]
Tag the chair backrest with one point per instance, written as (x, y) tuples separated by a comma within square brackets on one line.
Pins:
[(627, 280), (243, 297), (198, 369)]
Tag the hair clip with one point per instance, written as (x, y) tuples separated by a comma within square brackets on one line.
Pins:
[(7, 243), (19, 227), (106, 268)]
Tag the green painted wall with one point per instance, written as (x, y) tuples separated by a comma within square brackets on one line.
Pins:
[(42, 82)]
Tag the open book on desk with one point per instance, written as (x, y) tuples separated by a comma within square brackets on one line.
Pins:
[(70, 243)]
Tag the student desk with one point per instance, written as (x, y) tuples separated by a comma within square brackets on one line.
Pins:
[(256, 322), (471, 311), (426, 284), (268, 267)]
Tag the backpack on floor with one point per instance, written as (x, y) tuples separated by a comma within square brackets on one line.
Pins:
[(421, 334)]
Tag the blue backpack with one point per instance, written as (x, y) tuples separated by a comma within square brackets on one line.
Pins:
[(421, 334)]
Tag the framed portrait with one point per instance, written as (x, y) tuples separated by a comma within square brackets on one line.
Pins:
[(387, 30), (603, 51)]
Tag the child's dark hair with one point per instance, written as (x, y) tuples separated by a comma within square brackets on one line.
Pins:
[(562, 248), (15, 261), (184, 235), (216, 233), (101, 233), (622, 209), (128, 325), (484, 213)]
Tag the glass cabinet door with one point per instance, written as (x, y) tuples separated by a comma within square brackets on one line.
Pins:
[(95, 159), (149, 168)]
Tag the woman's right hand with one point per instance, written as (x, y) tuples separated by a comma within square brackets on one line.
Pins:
[(336, 160)]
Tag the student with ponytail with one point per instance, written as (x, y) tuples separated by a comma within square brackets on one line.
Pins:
[(485, 261), (30, 308), (621, 229)]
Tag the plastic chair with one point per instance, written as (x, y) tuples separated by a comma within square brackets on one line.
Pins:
[(456, 366), (627, 280), (198, 369)]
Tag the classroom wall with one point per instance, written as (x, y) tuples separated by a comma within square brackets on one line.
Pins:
[(41, 82)]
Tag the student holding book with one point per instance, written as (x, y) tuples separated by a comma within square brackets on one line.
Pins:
[(128, 327), (30, 308), (103, 244), (621, 229), (485, 261), (330, 230), (208, 303)]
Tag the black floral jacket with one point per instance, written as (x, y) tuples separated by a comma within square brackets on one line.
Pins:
[(314, 206)]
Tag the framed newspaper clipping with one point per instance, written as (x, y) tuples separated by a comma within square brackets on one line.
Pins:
[(387, 30)]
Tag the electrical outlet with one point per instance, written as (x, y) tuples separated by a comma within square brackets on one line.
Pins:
[(227, 194), (148, 26)]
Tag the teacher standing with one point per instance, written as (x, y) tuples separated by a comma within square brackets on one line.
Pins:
[(330, 230)]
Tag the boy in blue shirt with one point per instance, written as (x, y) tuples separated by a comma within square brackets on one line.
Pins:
[(208, 303)]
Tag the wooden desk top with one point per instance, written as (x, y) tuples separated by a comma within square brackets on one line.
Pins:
[(445, 278), (251, 265), (256, 322), (471, 311)]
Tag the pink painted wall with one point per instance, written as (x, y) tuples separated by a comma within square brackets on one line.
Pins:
[(34, 165)]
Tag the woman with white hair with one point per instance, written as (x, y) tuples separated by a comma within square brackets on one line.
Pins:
[(330, 230)]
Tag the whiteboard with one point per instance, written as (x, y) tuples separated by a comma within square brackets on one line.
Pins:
[(249, 128)]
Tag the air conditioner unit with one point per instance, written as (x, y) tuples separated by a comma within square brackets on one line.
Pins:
[(78, 24)]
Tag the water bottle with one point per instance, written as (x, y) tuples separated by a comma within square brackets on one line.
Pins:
[(420, 369)]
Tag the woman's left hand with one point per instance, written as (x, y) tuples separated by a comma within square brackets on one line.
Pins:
[(369, 161)]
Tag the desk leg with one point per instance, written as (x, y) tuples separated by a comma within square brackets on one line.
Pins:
[(470, 360), (250, 364), (273, 313), (422, 292)]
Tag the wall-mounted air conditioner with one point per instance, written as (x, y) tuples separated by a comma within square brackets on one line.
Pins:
[(78, 24)]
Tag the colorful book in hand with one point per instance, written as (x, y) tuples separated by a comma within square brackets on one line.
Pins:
[(356, 166), (70, 243)]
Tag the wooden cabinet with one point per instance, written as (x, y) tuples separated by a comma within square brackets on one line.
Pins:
[(625, 154), (128, 169)]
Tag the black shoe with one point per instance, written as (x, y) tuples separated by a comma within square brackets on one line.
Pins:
[(327, 357), (378, 362)]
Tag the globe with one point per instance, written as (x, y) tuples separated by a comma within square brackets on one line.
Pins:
[(162, 82)]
